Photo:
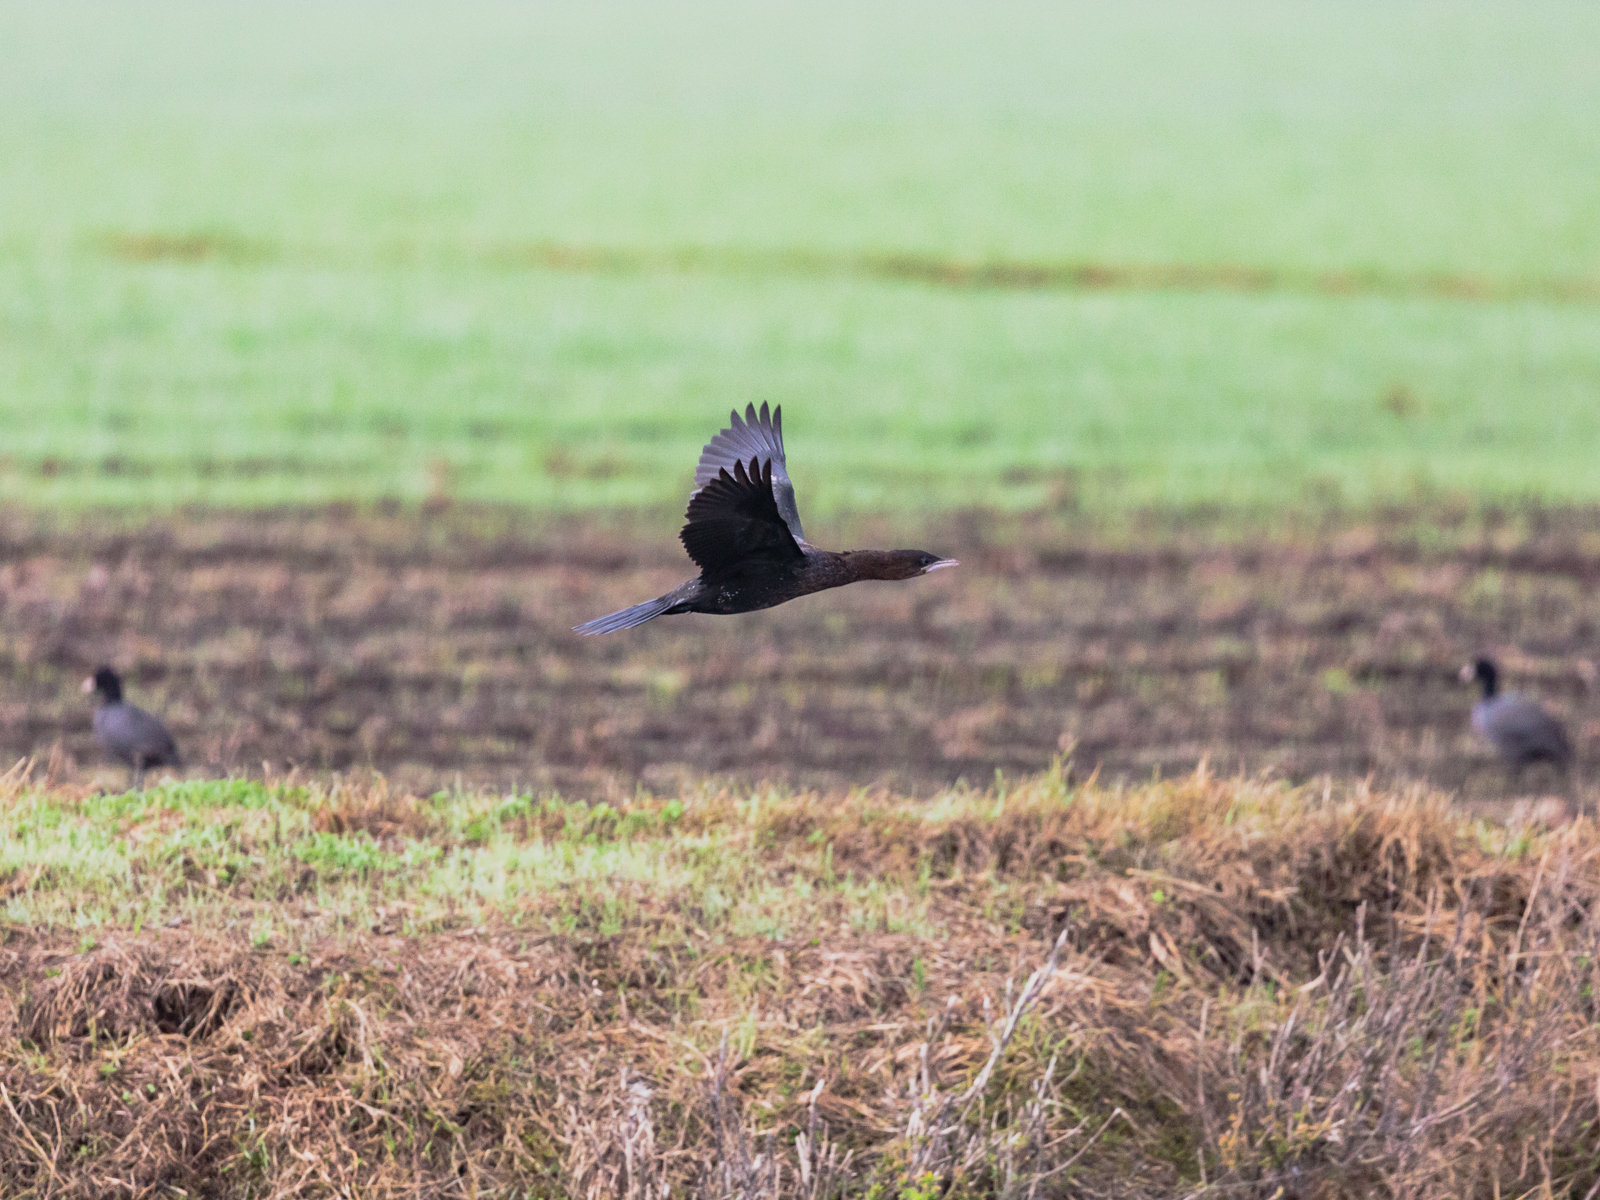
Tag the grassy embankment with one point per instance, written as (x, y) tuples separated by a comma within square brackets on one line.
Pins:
[(1116, 256), (234, 989)]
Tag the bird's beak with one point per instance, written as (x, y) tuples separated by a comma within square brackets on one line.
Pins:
[(88, 685), (942, 563), (1467, 673)]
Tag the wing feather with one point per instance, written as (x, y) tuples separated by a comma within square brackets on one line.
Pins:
[(759, 436), (734, 519)]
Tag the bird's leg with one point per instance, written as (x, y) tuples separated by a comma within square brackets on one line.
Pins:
[(138, 775)]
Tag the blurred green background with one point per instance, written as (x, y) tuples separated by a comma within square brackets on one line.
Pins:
[(1016, 253)]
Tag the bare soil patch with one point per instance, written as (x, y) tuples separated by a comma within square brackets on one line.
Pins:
[(437, 646)]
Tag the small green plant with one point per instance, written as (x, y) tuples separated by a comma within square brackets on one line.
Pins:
[(344, 854)]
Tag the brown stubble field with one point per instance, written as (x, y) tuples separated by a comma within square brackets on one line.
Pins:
[(435, 647)]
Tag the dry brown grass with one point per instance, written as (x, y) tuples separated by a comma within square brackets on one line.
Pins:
[(1254, 991)]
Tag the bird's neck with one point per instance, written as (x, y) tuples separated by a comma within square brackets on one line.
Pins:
[(877, 564)]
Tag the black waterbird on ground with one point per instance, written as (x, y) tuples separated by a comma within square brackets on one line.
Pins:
[(744, 532), (128, 734), (1521, 731)]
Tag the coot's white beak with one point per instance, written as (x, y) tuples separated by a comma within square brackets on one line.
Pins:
[(88, 685), (942, 563), (1468, 673)]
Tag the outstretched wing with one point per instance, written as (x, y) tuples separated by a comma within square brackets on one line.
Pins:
[(758, 435), (734, 519)]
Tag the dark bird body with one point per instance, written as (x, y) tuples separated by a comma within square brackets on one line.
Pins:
[(1521, 731), (743, 530), (129, 734)]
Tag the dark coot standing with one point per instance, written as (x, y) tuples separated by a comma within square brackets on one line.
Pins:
[(1519, 729), (744, 533), (130, 735)]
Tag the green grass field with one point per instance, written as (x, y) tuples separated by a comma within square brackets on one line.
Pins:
[(1245, 253)]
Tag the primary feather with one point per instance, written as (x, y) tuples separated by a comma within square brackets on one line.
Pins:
[(758, 435)]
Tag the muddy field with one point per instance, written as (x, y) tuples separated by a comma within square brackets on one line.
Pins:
[(437, 646)]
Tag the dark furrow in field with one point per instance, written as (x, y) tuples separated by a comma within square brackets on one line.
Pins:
[(908, 267), (428, 645)]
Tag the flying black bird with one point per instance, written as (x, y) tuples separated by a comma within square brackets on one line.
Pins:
[(1520, 730), (744, 532), (130, 735)]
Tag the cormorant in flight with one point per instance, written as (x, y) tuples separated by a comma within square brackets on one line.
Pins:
[(744, 532)]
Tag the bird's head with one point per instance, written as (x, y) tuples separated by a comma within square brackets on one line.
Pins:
[(932, 562), (104, 681), (1481, 670)]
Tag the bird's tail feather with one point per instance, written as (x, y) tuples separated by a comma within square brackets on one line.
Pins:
[(627, 618)]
